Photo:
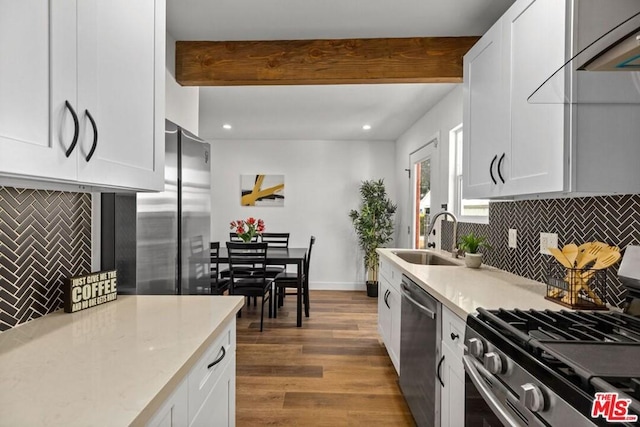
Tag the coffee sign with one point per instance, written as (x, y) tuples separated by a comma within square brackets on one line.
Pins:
[(90, 290)]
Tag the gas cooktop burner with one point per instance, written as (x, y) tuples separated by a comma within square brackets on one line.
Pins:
[(560, 367)]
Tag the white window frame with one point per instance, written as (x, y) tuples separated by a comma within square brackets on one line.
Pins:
[(456, 171)]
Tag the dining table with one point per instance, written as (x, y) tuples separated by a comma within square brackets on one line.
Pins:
[(281, 256)]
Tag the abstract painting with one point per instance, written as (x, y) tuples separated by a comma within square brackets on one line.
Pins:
[(262, 190)]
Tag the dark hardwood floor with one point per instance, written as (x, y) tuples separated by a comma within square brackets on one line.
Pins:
[(334, 371)]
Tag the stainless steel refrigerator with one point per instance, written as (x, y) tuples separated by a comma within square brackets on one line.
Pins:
[(173, 226), (159, 242)]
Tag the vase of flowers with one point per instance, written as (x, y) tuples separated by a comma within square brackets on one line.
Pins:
[(247, 229)]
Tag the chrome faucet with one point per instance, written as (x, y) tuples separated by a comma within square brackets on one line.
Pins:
[(454, 249)]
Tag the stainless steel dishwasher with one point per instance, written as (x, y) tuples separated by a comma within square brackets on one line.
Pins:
[(420, 352)]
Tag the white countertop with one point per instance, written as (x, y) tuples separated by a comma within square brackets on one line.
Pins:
[(108, 365), (463, 289)]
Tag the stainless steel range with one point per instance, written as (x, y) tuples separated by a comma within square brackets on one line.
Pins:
[(556, 368)]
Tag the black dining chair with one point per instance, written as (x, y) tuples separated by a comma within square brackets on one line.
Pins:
[(218, 284), (250, 258), (233, 237), (289, 280), (275, 240)]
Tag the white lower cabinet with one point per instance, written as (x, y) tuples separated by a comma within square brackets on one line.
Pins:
[(174, 412), (452, 370), (207, 396), (389, 306), (452, 398), (218, 409)]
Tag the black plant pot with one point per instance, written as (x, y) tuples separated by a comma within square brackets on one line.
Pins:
[(372, 289)]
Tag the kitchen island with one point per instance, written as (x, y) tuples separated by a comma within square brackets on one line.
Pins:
[(114, 364)]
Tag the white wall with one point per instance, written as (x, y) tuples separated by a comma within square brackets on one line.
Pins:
[(182, 102), (443, 117), (321, 187)]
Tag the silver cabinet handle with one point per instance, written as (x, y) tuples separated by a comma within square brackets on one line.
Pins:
[(474, 370), (421, 307)]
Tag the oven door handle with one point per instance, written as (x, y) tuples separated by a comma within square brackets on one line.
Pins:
[(421, 307), (475, 372)]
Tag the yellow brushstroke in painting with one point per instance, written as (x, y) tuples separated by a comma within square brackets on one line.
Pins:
[(256, 193)]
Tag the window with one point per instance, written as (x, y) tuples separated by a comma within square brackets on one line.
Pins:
[(468, 210)]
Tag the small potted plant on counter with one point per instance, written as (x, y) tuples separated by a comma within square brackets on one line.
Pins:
[(374, 226), (470, 244)]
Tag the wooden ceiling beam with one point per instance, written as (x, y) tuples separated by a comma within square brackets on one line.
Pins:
[(318, 62)]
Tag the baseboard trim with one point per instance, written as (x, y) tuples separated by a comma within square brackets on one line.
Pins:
[(333, 286)]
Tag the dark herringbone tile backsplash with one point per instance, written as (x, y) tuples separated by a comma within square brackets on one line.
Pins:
[(44, 237), (611, 219)]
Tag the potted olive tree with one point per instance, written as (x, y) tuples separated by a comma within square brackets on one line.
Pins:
[(374, 226), (470, 244)]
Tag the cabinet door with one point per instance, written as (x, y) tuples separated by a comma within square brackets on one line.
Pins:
[(218, 409), (384, 313), (37, 76), (452, 400), (484, 115), (395, 301), (120, 85), (535, 36), (173, 413)]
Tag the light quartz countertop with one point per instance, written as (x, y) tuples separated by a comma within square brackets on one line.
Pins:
[(463, 290), (108, 365)]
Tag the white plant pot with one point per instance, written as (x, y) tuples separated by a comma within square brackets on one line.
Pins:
[(473, 260)]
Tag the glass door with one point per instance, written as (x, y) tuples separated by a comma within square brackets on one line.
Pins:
[(421, 167)]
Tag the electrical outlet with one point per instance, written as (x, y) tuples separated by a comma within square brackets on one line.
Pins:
[(513, 238), (548, 240)]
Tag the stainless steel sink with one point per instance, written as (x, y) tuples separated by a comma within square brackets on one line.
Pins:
[(424, 258)]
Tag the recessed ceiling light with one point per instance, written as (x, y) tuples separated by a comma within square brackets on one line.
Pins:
[(226, 126), (366, 127)]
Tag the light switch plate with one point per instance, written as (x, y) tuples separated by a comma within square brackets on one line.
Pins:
[(548, 240), (513, 238)]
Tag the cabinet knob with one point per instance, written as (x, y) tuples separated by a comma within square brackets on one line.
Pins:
[(493, 362), (532, 397), (454, 336), (476, 347)]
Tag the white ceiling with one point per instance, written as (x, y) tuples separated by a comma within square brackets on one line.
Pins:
[(322, 112)]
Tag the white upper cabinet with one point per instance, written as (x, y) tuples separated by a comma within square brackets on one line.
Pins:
[(86, 71), (517, 146), (37, 78), (484, 115), (534, 32)]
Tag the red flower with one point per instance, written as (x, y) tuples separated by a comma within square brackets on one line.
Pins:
[(247, 229)]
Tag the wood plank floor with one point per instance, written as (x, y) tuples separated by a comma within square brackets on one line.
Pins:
[(334, 371)]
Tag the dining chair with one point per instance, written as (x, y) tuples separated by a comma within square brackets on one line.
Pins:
[(250, 258), (289, 280), (233, 237), (218, 284), (275, 240)]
